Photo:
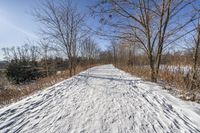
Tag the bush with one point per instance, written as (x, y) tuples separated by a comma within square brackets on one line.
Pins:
[(21, 71), (2, 81)]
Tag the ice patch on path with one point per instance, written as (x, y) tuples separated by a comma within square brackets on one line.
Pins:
[(101, 99)]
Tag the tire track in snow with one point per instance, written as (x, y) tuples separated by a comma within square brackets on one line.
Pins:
[(101, 99)]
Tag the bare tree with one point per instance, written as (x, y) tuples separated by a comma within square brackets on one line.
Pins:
[(25, 52), (113, 47), (45, 49), (152, 24), (89, 49), (63, 24), (196, 47), (7, 55), (193, 77)]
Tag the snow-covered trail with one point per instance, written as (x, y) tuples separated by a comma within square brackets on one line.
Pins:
[(101, 99)]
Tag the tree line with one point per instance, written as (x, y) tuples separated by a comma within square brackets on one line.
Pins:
[(151, 26), (140, 32)]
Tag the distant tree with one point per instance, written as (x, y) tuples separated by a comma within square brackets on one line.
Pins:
[(21, 71), (63, 24), (45, 49), (25, 52), (22, 65), (105, 57), (153, 24), (89, 49), (194, 73), (113, 48)]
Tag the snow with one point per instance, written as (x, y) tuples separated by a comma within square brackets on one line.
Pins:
[(174, 69), (184, 69), (101, 99)]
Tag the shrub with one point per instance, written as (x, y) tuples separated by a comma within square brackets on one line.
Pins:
[(21, 71)]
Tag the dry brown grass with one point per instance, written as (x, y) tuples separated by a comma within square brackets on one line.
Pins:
[(136, 71), (172, 79), (169, 80), (16, 92)]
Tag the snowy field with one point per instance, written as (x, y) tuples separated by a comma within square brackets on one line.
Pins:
[(174, 69), (101, 99)]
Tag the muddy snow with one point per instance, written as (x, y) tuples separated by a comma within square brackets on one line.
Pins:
[(101, 99)]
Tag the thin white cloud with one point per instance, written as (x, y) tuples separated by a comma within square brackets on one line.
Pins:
[(5, 22)]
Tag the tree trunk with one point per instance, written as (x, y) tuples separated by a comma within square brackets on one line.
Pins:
[(70, 71), (70, 66), (47, 71), (115, 62), (158, 60), (74, 65), (115, 56), (89, 61), (152, 71), (153, 75), (193, 76), (74, 68)]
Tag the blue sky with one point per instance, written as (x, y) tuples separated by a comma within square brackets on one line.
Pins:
[(17, 24)]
